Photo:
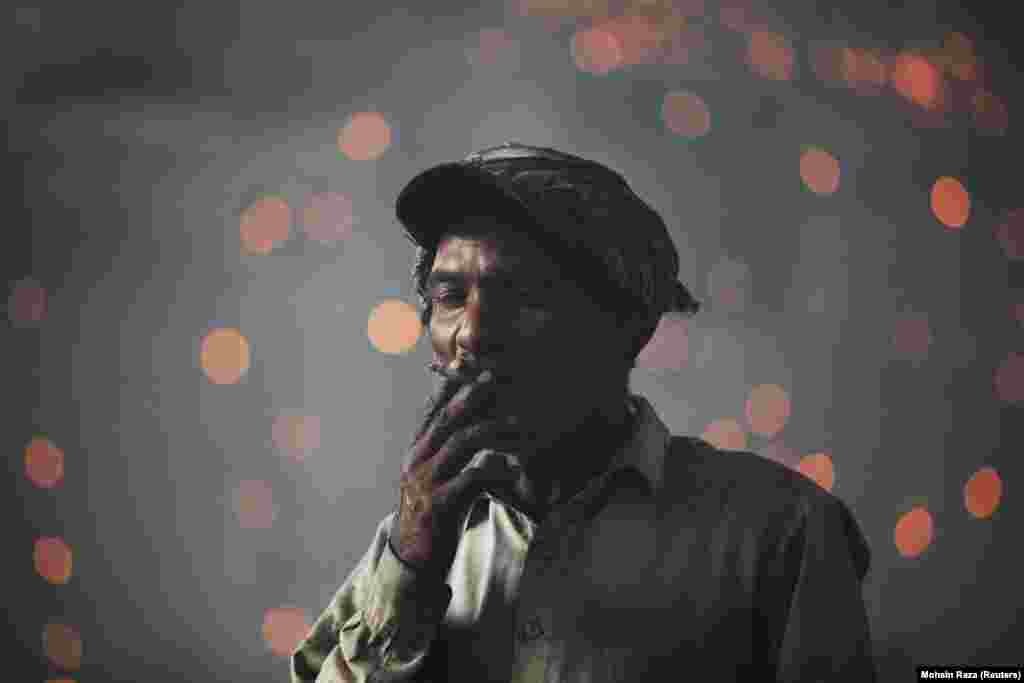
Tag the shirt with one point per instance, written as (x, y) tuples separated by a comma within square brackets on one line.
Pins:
[(679, 559)]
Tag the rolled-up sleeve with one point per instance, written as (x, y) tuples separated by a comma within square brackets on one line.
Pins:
[(826, 636), (378, 626)]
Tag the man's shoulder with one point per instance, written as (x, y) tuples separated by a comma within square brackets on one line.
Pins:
[(697, 470)]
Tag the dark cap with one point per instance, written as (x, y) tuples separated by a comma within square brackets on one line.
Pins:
[(597, 229)]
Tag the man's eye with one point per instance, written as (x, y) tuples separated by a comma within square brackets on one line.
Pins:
[(447, 296)]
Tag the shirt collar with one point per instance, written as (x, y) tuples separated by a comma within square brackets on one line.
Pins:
[(646, 447), (644, 451)]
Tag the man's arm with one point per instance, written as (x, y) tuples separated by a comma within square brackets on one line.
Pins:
[(825, 635), (378, 626)]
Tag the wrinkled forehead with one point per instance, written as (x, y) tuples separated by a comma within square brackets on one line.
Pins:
[(489, 242)]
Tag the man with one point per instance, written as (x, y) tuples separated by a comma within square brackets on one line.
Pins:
[(549, 527)]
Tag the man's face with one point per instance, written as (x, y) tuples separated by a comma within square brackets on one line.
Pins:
[(499, 301)]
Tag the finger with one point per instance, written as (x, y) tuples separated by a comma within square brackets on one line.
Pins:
[(463, 446), (466, 404)]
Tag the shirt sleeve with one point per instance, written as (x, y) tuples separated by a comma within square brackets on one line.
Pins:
[(826, 635), (378, 626)]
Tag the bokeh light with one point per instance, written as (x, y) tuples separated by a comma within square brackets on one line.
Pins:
[(638, 37), (779, 451), (819, 170), (365, 136), (982, 492), (958, 50), (51, 557), (1009, 378), (296, 435), (1010, 233), (265, 225), (916, 79), (26, 304), (728, 284), (63, 646), (1017, 311), (224, 355), (818, 467), (60, 680), (685, 113), (767, 409), (284, 628), (44, 463), (864, 71), (669, 347), (725, 433), (989, 112), (596, 50), (394, 327), (950, 202), (914, 531), (491, 47), (913, 336), (327, 217), (254, 504), (739, 16), (770, 55)]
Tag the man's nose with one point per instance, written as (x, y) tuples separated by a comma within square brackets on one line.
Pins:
[(484, 327)]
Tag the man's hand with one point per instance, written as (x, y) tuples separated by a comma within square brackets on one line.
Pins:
[(435, 487)]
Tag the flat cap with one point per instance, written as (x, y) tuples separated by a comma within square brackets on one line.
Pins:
[(595, 227)]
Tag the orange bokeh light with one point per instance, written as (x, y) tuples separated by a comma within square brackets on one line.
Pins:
[(265, 225), (393, 327), (284, 628), (725, 433), (327, 217), (254, 504), (818, 467), (640, 38), (63, 646), (27, 303), (767, 409), (365, 136), (685, 113), (982, 492), (917, 79), (224, 355), (770, 55), (596, 50), (51, 557), (950, 201), (914, 532), (819, 171), (44, 463), (296, 435), (1009, 378)]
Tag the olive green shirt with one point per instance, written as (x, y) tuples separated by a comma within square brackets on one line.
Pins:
[(680, 559)]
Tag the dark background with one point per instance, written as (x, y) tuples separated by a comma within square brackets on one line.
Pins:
[(137, 133)]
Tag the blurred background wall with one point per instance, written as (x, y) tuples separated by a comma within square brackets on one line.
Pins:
[(212, 360)]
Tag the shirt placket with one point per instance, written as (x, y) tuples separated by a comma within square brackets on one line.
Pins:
[(537, 645)]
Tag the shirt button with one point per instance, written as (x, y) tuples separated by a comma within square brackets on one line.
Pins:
[(531, 630)]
